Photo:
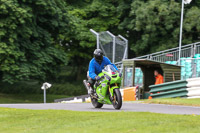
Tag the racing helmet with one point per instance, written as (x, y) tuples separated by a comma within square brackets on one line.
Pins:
[(98, 55)]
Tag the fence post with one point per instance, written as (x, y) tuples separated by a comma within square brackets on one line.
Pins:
[(97, 35), (194, 48), (192, 52), (45, 95), (98, 41), (151, 57)]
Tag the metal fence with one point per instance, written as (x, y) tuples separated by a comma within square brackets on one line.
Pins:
[(120, 49), (106, 44), (189, 50), (113, 47), (190, 59), (172, 54)]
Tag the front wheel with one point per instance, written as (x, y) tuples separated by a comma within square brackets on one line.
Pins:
[(117, 99), (95, 103)]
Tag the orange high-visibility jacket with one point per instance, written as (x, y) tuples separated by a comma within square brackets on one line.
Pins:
[(159, 79)]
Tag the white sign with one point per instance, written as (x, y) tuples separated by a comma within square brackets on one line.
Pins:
[(46, 86), (187, 1)]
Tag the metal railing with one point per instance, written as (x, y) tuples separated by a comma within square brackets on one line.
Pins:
[(172, 54)]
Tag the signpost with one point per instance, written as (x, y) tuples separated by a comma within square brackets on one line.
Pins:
[(44, 87)]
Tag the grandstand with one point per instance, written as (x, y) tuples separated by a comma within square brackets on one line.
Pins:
[(190, 61)]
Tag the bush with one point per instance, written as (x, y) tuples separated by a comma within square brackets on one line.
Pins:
[(69, 89), (33, 87)]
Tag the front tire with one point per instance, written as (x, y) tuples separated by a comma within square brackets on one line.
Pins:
[(95, 103), (117, 100)]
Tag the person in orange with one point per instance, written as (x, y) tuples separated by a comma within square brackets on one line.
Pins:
[(159, 77), (159, 80)]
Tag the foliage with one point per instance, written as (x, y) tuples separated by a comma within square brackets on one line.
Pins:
[(100, 15), (51, 121), (154, 25), (38, 37), (68, 89), (29, 38), (150, 26)]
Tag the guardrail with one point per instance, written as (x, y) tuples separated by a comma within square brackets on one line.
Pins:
[(180, 88)]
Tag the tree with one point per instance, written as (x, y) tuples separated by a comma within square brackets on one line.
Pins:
[(154, 25), (84, 15), (29, 39)]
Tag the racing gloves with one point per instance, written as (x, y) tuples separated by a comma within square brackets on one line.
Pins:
[(97, 78)]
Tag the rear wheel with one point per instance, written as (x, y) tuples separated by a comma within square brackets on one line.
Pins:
[(95, 103), (117, 99)]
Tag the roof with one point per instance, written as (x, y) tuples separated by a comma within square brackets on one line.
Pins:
[(143, 62)]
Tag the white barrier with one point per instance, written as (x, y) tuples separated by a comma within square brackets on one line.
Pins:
[(193, 97), (193, 93), (193, 88), (73, 101)]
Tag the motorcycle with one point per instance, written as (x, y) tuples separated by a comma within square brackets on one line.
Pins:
[(106, 90)]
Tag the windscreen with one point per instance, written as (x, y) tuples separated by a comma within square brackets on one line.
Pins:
[(109, 68)]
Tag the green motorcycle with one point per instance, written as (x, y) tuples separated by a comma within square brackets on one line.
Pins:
[(106, 90)]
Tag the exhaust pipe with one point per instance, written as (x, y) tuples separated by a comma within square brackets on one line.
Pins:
[(85, 84)]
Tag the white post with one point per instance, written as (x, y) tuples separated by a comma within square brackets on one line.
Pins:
[(97, 35), (180, 39), (114, 49), (98, 41), (45, 95), (181, 27), (44, 87), (127, 49)]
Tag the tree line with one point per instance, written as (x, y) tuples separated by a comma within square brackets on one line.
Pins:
[(38, 37)]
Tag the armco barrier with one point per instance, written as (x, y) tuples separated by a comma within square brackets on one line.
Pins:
[(180, 88)]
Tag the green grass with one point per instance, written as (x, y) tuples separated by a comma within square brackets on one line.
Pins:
[(28, 98), (61, 121), (175, 101)]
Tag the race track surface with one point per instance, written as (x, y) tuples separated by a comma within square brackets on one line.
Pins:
[(134, 107)]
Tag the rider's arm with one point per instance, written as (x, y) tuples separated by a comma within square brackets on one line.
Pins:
[(92, 70), (108, 62)]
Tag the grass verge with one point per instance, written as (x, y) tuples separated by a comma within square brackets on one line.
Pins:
[(62, 121), (175, 101), (28, 98)]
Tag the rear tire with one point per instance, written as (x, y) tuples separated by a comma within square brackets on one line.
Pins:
[(117, 102), (95, 103)]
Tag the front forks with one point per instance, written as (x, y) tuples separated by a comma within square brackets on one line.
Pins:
[(111, 91)]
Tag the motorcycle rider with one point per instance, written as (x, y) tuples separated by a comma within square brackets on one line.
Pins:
[(96, 66)]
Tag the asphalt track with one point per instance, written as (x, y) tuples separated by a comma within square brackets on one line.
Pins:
[(133, 107)]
